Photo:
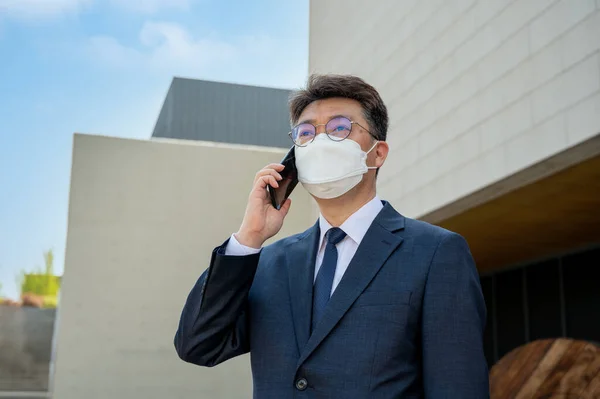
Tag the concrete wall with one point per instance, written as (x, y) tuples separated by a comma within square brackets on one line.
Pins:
[(477, 90), (144, 217), (25, 348)]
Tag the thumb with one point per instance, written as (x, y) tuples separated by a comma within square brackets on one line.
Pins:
[(285, 207)]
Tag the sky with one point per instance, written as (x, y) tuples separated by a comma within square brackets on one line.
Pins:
[(104, 67)]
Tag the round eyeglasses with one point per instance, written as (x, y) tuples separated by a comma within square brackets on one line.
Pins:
[(337, 129)]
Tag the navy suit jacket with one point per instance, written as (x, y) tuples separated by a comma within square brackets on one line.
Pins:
[(406, 320)]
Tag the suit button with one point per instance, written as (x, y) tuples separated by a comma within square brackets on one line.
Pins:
[(301, 384)]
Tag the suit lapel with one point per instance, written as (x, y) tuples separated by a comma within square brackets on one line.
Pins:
[(376, 247), (301, 257)]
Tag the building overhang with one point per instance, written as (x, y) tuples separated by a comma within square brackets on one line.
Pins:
[(550, 208)]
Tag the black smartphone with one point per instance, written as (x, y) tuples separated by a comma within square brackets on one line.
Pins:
[(289, 180)]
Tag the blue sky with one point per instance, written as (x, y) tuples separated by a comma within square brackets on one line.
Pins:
[(104, 67)]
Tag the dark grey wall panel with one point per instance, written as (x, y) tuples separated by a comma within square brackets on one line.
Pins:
[(25, 348), (225, 112)]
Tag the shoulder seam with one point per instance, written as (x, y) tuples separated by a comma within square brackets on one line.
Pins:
[(442, 239)]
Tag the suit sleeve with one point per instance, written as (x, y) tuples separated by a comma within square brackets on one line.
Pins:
[(453, 321), (213, 326)]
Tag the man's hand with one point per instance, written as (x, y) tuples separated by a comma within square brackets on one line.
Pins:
[(261, 220)]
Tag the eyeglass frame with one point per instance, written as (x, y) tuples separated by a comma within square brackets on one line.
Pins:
[(325, 131)]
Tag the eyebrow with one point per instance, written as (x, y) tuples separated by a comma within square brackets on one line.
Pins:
[(312, 121)]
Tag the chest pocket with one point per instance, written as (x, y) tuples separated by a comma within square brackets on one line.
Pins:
[(380, 307)]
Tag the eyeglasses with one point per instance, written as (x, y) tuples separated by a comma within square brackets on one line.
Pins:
[(337, 129)]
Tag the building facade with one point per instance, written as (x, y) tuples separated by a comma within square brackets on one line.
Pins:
[(495, 120), (141, 231), (224, 113)]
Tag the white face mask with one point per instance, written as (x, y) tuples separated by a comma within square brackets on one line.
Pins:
[(329, 169)]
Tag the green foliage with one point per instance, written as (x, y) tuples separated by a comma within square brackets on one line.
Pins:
[(51, 301), (49, 260), (41, 283)]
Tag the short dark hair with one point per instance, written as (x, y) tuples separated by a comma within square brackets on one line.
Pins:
[(320, 87)]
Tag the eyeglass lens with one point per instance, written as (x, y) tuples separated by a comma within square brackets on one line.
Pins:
[(337, 129)]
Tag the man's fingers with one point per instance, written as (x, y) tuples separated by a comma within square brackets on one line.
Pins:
[(268, 179), (272, 166), (272, 169), (266, 172), (269, 172), (277, 166)]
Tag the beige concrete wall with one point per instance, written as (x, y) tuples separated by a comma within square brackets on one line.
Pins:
[(477, 90), (144, 217)]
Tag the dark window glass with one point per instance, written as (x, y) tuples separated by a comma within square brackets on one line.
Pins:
[(510, 319), (581, 275), (543, 299)]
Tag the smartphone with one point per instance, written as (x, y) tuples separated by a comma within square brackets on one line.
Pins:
[(289, 180)]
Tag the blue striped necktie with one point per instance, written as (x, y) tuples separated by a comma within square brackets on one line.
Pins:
[(324, 281)]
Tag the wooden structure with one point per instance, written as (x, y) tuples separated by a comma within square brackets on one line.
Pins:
[(549, 369), (556, 214)]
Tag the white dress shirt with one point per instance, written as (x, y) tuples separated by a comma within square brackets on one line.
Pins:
[(355, 227)]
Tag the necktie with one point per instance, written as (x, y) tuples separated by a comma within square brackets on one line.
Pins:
[(324, 281)]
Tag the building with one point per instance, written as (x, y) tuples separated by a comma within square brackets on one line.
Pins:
[(224, 113), (495, 134), (150, 218)]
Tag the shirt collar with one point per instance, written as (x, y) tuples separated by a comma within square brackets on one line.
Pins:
[(357, 224)]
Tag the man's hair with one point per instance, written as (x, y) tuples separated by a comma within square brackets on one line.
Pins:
[(320, 87)]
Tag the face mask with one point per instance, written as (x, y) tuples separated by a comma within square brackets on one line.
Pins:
[(329, 169)]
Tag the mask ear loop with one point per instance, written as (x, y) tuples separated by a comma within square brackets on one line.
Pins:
[(372, 167)]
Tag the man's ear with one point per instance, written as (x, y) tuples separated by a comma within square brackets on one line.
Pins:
[(381, 153)]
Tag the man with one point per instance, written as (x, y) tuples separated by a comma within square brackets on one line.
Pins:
[(366, 303)]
